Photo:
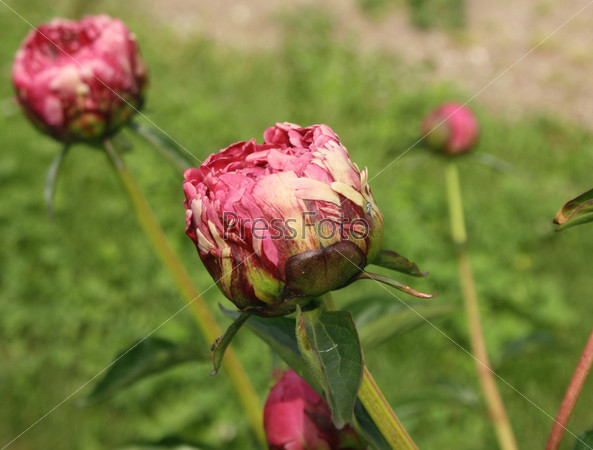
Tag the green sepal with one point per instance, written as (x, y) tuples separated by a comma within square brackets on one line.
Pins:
[(170, 148), (316, 272), (575, 212), (51, 179), (393, 283), (220, 345), (394, 261)]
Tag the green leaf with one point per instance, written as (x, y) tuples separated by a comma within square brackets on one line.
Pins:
[(168, 442), (393, 283), (584, 441), (379, 319), (278, 333), (221, 344), (51, 179), (150, 356), (333, 337), (577, 211), (166, 145), (395, 261), (371, 433), (495, 163)]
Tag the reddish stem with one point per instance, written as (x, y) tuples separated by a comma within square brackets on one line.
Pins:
[(571, 396)]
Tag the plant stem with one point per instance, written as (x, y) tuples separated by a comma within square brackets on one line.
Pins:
[(376, 405), (206, 321), (571, 396), (496, 409)]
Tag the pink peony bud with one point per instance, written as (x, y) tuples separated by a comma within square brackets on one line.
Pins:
[(292, 218), (79, 81), (457, 133), (297, 418)]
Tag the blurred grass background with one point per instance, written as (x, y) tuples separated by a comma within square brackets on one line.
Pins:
[(77, 290)]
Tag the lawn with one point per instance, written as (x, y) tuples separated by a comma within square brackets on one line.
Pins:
[(77, 290)]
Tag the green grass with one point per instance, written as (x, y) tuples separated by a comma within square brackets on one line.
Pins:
[(77, 290)]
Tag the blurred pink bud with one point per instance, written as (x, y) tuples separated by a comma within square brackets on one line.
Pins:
[(79, 80), (451, 129), (291, 218), (297, 418)]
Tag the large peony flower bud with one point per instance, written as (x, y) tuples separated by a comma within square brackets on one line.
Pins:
[(297, 418), (283, 221), (451, 129), (79, 81)]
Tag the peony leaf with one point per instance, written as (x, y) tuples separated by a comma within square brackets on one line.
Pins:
[(378, 319), (166, 145), (278, 333), (496, 163), (584, 441), (395, 261), (368, 428), (334, 341), (150, 356), (393, 283), (51, 179), (220, 345), (578, 210), (168, 442)]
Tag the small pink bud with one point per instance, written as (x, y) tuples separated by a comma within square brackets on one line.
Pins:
[(297, 418), (292, 218), (79, 80), (451, 129)]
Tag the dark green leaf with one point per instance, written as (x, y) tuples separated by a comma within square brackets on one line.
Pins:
[(51, 179), (167, 146), (278, 333), (379, 319), (150, 356), (578, 210), (369, 430), (393, 283), (395, 261), (584, 441), (334, 339), (534, 344), (168, 442), (220, 346)]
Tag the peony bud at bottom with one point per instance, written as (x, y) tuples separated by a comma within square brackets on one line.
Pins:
[(297, 418)]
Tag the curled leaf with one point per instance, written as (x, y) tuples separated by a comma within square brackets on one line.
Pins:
[(578, 210), (394, 261), (220, 345)]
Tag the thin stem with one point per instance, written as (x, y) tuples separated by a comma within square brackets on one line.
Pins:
[(496, 409), (571, 396), (206, 321), (377, 406)]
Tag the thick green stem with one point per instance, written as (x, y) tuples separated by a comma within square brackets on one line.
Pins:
[(206, 321), (377, 406), (496, 409), (571, 396)]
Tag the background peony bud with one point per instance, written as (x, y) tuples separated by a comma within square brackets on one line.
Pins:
[(296, 417), (282, 220), (457, 134), (79, 81)]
